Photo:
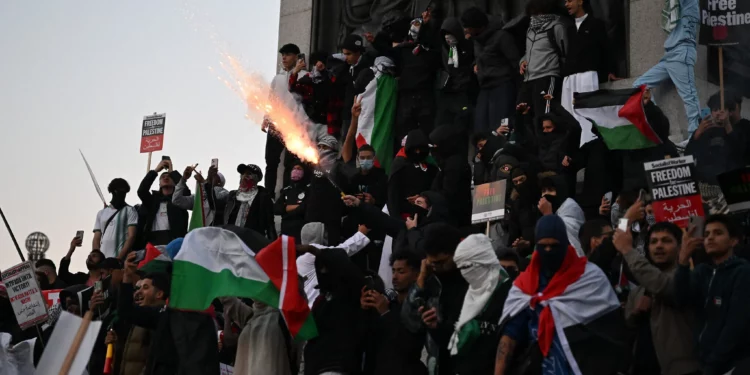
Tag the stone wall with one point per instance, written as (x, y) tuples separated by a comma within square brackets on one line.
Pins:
[(646, 40)]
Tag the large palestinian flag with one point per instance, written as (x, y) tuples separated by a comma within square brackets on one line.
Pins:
[(378, 113), (215, 262), (618, 116)]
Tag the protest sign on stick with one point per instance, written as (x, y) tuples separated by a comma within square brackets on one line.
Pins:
[(152, 135), (74, 339), (489, 202), (24, 295), (674, 192)]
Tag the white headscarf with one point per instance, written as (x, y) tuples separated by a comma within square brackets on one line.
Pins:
[(479, 266)]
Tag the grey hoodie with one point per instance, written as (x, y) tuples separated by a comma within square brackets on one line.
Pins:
[(543, 57), (314, 233)]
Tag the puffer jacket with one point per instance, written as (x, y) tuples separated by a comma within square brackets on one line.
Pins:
[(135, 352), (545, 56)]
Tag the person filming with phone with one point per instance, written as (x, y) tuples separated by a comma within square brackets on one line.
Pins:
[(161, 220)]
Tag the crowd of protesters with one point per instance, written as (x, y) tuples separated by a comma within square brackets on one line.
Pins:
[(556, 287)]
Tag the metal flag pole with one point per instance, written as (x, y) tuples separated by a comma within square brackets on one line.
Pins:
[(18, 248), (93, 179)]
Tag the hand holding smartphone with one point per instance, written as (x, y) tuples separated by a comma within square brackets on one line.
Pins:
[(79, 236), (215, 163), (623, 224), (696, 226)]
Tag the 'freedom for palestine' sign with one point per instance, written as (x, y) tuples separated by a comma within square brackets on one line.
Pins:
[(724, 21), (152, 133), (674, 192), (489, 202)]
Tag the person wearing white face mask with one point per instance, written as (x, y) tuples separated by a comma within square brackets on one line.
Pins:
[(371, 183)]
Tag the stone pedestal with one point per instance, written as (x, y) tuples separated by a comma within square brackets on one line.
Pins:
[(295, 24)]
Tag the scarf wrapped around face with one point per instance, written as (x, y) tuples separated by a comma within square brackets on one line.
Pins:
[(479, 266)]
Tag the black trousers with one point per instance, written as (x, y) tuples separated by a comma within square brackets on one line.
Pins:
[(274, 149), (449, 105), (533, 94), (494, 105)]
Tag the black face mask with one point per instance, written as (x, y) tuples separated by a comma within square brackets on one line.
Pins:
[(415, 157), (551, 260), (422, 212), (513, 273), (554, 200), (44, 283), (118, 199)]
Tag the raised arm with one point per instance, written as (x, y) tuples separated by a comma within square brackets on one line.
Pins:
[(179, 198)]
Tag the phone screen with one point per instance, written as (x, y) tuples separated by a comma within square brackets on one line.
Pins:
[(164, 157), (139, 256), (97, 286), (705, 112), (697, 222), (215, 163), (608, 196), (79, 235), (623, 225), (301, 56)]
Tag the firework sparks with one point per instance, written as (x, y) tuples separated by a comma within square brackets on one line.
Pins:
[(263, 106)]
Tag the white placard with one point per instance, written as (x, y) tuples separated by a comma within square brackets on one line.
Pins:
[(62, 339), (24, 294)]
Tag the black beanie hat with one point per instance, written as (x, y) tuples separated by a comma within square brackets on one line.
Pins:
[(474, 18)]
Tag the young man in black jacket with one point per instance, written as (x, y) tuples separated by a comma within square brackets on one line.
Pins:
[(720, 294), (458, 84), (496, 65), (410, 175), (453, 180), (160, 221), (251, 205), (393, 349)]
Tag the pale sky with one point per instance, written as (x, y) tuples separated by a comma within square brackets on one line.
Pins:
[(82, 74)]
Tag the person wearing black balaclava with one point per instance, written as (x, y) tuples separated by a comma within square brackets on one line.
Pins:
[(410, 175), (522, 213), (116, 225), (453, 180), (555, 200)]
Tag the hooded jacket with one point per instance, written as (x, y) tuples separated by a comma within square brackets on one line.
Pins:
[(671, 326), (409, 175), (545, 55), (461, 78), (552, 145), (569, 211), (720, 296), (496, 55), (453, 180), (338, 316)]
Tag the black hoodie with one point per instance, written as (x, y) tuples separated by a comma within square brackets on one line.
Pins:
[(459, 79), (453, 180), (338, 316), (721, 297), (497, 56), (410, 175)]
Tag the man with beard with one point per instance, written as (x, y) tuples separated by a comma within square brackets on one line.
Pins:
[(477, 331), (720, 295), (651, 305), (93, 263), (115, 226), (161, 220), (410, 175), (393, 349), (251, 205), (435, 300), (562, 309), (556, 201), (47, 275)]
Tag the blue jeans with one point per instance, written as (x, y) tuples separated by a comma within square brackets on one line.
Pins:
[(678, 66)]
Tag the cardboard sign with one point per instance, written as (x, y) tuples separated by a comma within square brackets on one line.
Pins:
[(152, 133), (723, 22), (52, 296), (489, 202), (674, 192), (25, 295), (735, 185)]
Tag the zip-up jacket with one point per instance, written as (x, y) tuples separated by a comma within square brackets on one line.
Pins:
[(721, 297), (544, 55)]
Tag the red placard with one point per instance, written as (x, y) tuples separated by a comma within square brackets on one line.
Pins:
[(152, 133), (52, 296), (678, 210)]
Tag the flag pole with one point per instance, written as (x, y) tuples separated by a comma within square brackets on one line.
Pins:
[(18, 248), (73, 351), (721, 75)]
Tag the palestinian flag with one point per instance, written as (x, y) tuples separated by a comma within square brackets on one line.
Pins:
[(378, 113), (155, 260), (618, 116), (215, 262), (198, 218)]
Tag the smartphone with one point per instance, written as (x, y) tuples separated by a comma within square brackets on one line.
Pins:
[(301, 56), (699, 223), (98, 286), (164, 157), (369, 283), (705, 112), (623, 224), (139, 256), (79, 235), (642, 195), (215, 163), (608, 196)]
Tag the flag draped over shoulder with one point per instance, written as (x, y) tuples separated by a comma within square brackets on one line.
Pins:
[(618, 116), (378, 113), (214, 262), (198, 218)]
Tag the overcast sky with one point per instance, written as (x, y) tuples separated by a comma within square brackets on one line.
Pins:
[(83, 74)]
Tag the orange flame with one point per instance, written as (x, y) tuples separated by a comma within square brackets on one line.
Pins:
[(263, 105)]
